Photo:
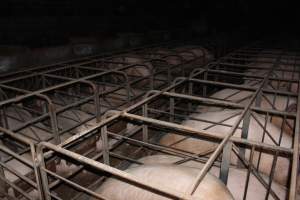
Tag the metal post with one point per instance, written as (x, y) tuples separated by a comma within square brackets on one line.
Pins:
[(245, 129), (3, 122), (190, 92), (105, 147), (258, 99), (3, 186), (54, 125), (226, 159), (205, 87), (97, 104), (44, 84), (295, 162), (172, 107), (37, 172), (145, 127), (44, 178)]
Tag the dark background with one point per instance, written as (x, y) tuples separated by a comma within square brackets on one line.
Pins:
[(52, 22)]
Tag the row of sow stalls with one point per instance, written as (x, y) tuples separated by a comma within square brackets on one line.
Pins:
[(71, 129), (54, 103)]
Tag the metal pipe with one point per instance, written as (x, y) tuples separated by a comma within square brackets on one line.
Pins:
[(220, 147), (295, 161), (121, 174)]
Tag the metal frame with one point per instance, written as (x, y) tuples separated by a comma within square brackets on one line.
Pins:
[(139, 114), (36, 90), (31, 182)]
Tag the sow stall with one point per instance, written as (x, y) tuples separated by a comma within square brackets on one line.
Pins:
[(56, 102), (128, 135)]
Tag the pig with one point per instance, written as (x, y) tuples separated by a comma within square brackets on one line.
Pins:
[(191, 52), (278, 72), (255, 133), (141, 69), (170, 56), (236, 178), (269, 101), (161, 175), (289, 75), (177, 55), (132, 59), (281, 103), (16, 118)]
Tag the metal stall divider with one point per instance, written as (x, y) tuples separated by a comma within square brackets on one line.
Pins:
[(140, 115), (42, 90)]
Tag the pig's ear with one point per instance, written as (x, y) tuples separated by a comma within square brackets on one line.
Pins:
[(292, 108)]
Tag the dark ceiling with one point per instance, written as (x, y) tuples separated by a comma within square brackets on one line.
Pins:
[(37, 19)]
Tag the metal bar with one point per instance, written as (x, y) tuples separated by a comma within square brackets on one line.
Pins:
[(295, 161), (77, 186), (225, 103), (202, 133), (226, 159), (218, 150), (15, 187), (130, 178), (145, 127), (105, 146), (69, 62), (248, 173), (20, 158)]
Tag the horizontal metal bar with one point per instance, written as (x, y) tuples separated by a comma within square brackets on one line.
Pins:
[(226, 103), (206, 134), (121, 174)]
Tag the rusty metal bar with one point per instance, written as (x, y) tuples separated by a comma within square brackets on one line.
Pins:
[(132, 179), (295, 161)]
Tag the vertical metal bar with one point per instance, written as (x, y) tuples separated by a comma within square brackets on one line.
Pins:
[(205, 87), (258, 99), (36, 172), (172, 107), (3, 186), (77, 77), (263, 138), (54, 125), (105, 147), (225, 141), (190, 92), (248, 172), (97, 103), (4, 122), (128, 88), (145, 127), (245, 129), (271, 175), (44, 85), (43, 175), (295, 162), (226, 159)]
